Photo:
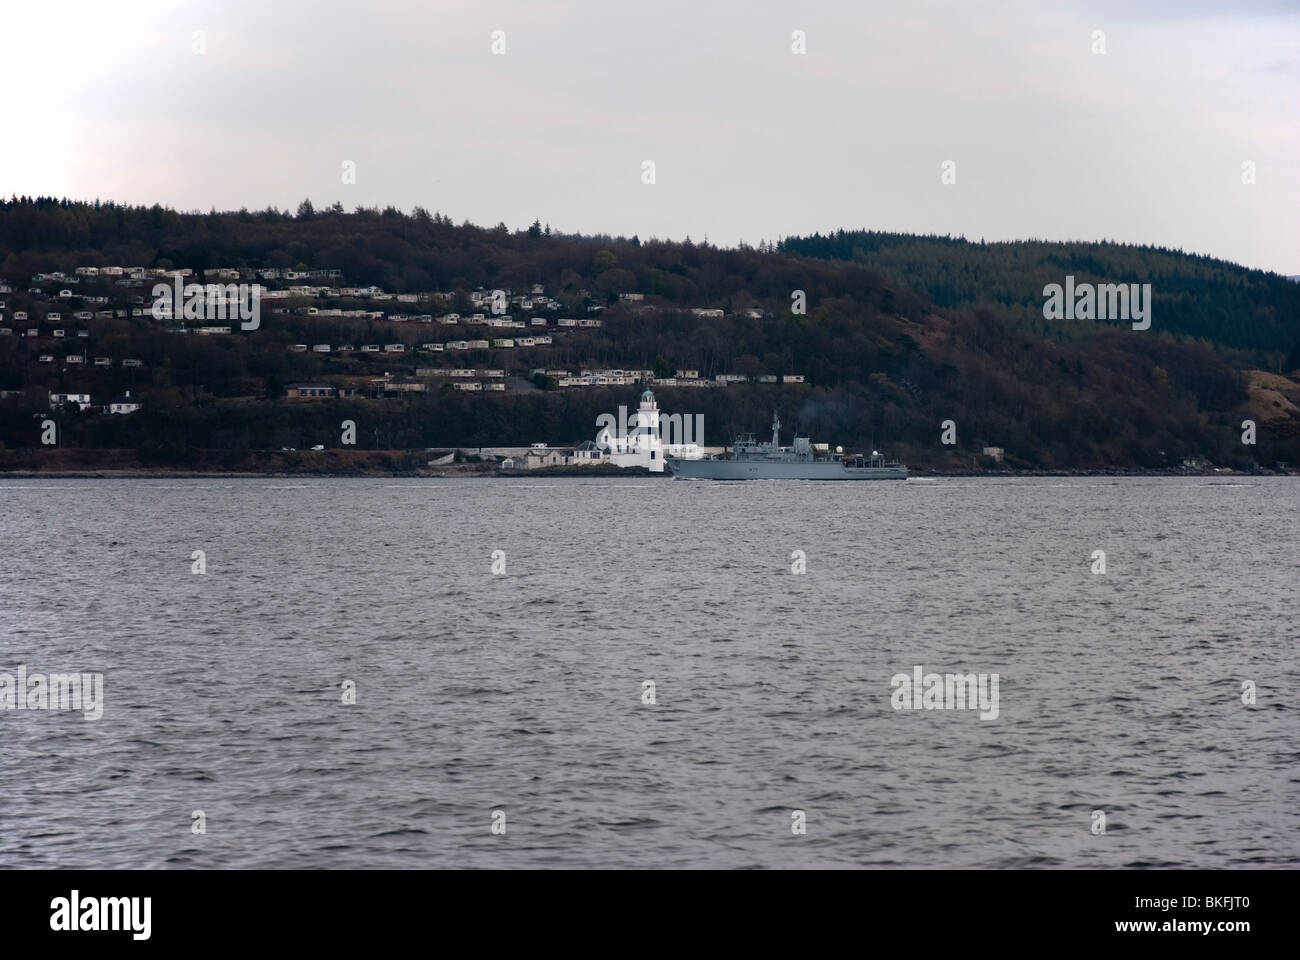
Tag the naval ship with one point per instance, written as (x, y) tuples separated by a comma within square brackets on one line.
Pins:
[(757, 460)]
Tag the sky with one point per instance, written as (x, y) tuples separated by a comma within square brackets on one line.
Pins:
[(227, 105)]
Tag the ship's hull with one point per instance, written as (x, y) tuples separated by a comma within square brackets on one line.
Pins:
[(759, 470)]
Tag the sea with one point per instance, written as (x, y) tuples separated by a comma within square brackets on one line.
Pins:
[(649, 673)]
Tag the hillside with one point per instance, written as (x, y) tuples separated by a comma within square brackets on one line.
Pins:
[(900, 334)]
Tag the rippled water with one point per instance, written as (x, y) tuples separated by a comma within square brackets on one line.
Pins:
[(522, 692)]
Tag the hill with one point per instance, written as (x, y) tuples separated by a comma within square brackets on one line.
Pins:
[(899, 334)]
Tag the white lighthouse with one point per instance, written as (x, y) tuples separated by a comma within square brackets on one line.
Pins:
[(640, 445)]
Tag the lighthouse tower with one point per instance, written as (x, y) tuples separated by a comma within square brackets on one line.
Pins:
[(644, 428), (641, 446)]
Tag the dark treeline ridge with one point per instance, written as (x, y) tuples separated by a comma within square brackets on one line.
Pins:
[(901, 333), (1195, 296)]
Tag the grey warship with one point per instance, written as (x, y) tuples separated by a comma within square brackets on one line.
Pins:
[(757, 460)]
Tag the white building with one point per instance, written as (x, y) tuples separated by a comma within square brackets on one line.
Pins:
[(541, 456), (587, 453), (82, 400), (124, 404), (642, 446)]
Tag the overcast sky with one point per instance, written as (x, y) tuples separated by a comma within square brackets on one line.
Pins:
[(1144, 143)]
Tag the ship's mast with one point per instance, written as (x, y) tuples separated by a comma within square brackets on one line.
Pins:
[(776, 430)]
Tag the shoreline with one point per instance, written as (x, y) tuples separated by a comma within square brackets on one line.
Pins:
[(576, 472)]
